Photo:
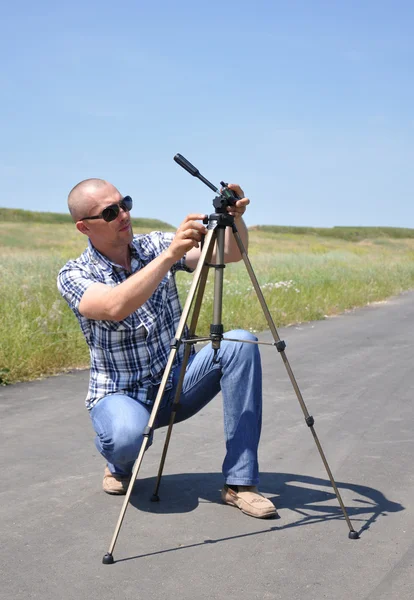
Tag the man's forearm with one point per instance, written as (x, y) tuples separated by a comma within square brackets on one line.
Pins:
[(117, 303)]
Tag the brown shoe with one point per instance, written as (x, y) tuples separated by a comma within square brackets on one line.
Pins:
[(249, 500), (115, 484)]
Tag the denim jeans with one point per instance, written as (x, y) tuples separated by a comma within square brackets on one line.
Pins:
[(119, 421)]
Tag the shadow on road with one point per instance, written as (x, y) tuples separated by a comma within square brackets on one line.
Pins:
[(312, 498), (305, 495)]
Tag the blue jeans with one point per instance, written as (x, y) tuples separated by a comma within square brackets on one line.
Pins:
[(119, 421)]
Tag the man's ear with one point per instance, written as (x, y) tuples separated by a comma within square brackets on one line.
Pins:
[(82, 227)]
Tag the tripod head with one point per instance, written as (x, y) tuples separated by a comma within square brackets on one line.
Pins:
[(226, 197)]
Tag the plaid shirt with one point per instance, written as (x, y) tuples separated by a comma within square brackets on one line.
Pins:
[(128, 356)]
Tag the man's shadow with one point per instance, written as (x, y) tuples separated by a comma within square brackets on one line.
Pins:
[(312, 498)]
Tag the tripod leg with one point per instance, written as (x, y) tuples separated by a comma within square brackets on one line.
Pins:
[(108, 557), (192, 329), (155, 497), (280, 345)]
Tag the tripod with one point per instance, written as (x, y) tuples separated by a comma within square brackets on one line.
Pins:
[(216, 225)]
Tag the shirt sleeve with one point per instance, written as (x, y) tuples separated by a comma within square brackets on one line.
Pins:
[(161, 242), (72, 283)]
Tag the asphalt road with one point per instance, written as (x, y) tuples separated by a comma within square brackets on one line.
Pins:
[(355, 372)]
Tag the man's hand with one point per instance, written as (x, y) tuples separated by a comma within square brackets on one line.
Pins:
[(187, 236), (190, 231), (238, 209)]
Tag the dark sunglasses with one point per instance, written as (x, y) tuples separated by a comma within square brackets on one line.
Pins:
[(111, 212)]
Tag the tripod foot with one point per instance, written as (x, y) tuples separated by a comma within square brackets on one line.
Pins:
[(155, 498), (353, 535), (108, 559)]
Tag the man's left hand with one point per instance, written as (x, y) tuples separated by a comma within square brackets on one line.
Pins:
[(237, 210)]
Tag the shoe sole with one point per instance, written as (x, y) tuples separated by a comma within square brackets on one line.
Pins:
[(115, 493)]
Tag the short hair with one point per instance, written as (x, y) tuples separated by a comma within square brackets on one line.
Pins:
[(79, 193)]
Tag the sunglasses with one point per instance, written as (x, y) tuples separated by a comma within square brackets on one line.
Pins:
[(111, 212)]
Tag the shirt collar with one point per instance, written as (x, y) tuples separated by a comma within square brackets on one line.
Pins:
[(99, 259)]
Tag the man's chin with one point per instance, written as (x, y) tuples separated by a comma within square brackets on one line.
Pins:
[(127, 233), (123, 239)]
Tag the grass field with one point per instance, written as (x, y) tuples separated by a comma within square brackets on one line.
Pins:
[(305, 275)]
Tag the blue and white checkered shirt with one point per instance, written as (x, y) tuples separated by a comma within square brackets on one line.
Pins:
[(128, 356)]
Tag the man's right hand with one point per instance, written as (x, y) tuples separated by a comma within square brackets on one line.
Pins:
[(104, 302), (187, 236)]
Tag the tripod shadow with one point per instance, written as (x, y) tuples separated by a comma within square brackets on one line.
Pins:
[(305, 495)]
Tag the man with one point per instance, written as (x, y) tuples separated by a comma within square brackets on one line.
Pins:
[(122, 290)]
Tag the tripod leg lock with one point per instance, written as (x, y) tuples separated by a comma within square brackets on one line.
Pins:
[(310, 421), (280, 345), (147, 431), (216, 331), (175, 343)]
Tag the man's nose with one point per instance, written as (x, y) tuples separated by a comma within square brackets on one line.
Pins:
[(123, 210)]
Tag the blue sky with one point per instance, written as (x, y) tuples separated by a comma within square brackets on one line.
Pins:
[(308, 104)]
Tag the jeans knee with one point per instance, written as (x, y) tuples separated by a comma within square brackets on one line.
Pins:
[(241, 334), (123, 446), (243, 352)]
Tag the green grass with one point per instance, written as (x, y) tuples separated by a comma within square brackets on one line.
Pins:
[(303, 277), (38, 332)]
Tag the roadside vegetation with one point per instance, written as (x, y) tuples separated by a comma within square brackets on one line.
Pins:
[(304, 273)]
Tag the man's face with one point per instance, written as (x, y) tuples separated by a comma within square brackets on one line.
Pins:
[(101, 233)]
